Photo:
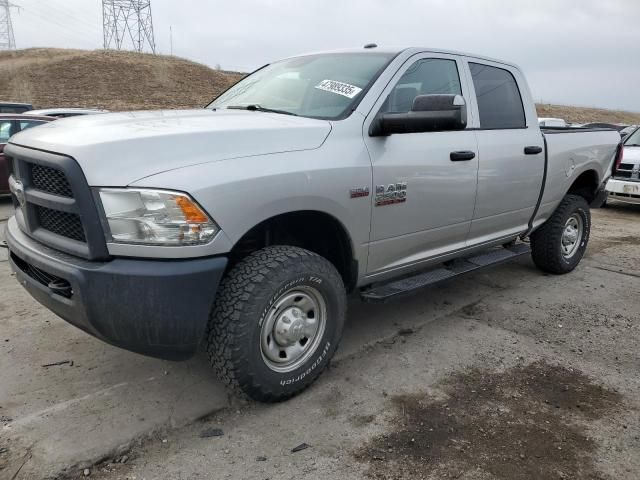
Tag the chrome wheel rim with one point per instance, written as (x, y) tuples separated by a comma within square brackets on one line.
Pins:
[(572, 235), (293, 328)]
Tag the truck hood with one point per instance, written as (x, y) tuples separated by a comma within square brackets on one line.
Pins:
[(119, 148), (631, 155)]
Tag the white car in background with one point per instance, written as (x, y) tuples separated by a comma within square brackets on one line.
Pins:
[(65, 112), (624, 186), (552, 122)]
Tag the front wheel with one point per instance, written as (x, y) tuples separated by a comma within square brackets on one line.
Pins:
[(559, 244), (276, 322)]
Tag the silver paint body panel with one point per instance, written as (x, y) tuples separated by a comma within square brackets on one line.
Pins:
[(245, 167)]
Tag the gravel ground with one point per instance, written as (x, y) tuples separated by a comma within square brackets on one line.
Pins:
[(536, 380), (532, 376)]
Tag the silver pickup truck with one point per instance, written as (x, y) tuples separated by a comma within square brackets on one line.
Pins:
[(244, 225)]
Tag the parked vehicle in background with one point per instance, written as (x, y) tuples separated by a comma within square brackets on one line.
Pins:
[(11, 124), (625, 132), (624, 186), (245, 224), (66, 112), (552, 122), (615, 126), (12, 107)]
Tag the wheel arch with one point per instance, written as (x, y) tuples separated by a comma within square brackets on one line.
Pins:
[(314, 230), (586, 185)]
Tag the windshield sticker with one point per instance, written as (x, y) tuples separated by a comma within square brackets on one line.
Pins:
[(340, 88)]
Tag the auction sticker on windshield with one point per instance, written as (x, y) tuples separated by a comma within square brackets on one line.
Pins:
[(340, 88)]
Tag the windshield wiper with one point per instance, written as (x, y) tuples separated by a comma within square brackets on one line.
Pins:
[(631, 145), (260, 108)]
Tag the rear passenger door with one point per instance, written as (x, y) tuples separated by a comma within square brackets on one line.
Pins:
[(509, 180)]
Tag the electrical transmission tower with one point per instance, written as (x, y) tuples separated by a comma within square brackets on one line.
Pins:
[(127, 21), (7, 38)]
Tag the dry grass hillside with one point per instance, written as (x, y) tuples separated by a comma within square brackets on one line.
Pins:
[(107, 79), (588, 115), (130, 81)]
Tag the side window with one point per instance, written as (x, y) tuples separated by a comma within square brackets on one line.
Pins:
[(425, 77), (5, 131), (499, 100), (26, 124), (7, 109)]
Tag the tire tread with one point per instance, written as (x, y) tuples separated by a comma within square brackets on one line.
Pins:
[(227, 324), (546, 240)]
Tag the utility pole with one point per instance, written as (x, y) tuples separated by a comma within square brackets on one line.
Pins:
[(7, 38), (128, 23)]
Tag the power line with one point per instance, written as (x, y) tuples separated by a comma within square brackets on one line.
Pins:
[(128, 22), (73, 24), (7, 37)]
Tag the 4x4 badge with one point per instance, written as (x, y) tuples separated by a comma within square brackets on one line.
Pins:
[(393, 193)]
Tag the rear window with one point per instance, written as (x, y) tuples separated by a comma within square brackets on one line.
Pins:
[(499, 100), (27, 124), (5, 130), (633, 139), (13, 109)]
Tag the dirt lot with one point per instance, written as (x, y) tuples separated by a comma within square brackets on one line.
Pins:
[(503, 374)]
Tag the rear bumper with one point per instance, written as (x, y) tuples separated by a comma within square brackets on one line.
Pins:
[(156, 308), (624, 190)]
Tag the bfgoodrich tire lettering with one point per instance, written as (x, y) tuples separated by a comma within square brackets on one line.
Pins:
[(250, 293), (547, 242)]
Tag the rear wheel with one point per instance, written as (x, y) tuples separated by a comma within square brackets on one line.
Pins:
[(276, 322), (559, 244)]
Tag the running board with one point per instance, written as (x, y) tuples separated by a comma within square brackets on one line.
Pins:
[(395, 288)]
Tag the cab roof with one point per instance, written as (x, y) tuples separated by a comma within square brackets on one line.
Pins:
[(395, 50)]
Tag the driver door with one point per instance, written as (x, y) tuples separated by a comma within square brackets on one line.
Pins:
[(439, 193)]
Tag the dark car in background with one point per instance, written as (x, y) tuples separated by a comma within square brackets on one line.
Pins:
[(12, 107), (10, 124)]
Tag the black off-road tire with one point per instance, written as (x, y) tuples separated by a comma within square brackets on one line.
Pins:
[(246, 296), (546, 241)]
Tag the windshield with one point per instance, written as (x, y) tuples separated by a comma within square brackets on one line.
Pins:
[(633, 139), (325, 86)]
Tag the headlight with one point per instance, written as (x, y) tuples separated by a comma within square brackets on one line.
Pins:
[(155, 217)]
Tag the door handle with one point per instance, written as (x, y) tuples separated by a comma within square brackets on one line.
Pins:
[(462, 156), (535, 150)]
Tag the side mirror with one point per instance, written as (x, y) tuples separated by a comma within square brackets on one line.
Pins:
[(429, 113)]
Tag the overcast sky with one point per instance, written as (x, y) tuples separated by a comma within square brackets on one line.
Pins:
[(582, 52)]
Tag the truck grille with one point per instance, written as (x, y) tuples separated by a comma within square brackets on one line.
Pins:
[(61, 223), (625, 171), (50, 180), (58, 208)]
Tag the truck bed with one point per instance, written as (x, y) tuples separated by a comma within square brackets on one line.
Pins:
[(569, 152)]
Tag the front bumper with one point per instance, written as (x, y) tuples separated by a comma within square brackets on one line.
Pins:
[(624, 190), (152, 307)]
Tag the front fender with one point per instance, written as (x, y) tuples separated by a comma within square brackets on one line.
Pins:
[(242, 193)]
